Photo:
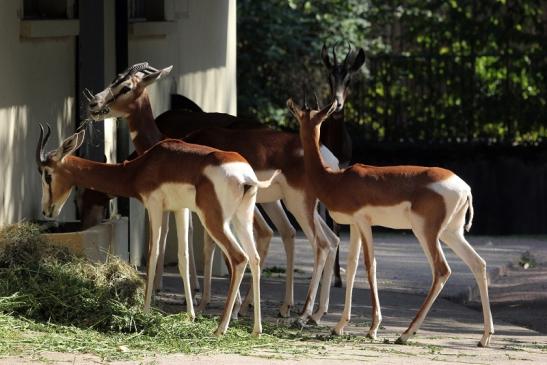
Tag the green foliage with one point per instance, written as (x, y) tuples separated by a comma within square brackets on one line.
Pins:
[(459, 70)]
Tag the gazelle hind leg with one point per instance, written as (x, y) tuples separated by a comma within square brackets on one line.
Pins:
[(182, 221), (427, 234), (324, 231), (237, 261), (263, 234), (351, 269), (155, 219), (457, 242), (243, 226), (194, 282), (370, 266), (288, 233)]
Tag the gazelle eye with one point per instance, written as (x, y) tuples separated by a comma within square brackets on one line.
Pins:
[(125, 89), (47, 177)]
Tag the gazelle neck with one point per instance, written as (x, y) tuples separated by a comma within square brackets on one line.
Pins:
[(112, 179), (313, 161), (335, 137), (142, 128)]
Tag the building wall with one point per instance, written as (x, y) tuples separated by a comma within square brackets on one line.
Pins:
[(38, 82), (202, 50)]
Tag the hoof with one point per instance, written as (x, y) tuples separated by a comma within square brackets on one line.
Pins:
[(298, 323), (284, 311), (218, 332), (371, 336), (400, 341), (336, 332), (256, 334), (313, 322)]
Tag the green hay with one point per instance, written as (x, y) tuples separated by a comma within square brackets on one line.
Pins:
[(52, 300), (47, 283)]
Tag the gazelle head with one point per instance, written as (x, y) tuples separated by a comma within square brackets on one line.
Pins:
[(56, 181), (309, 119), (340, 73), (117, 99)]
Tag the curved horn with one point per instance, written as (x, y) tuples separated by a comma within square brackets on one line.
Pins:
[(349, 56), (317, 101), (305, 97), (39, 146), (334, 55)]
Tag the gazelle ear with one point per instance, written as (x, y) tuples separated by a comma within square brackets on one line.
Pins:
[(358, 60), (153, 77), (294, 109), (320, 116), (69, 146)]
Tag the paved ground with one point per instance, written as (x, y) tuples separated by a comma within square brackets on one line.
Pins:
[(451, 330)]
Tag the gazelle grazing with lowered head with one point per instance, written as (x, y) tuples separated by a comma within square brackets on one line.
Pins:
[(174, 176), (431, 201), (265, 149)]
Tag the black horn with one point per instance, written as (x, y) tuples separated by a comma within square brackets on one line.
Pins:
[(39, 146), (334, 55)]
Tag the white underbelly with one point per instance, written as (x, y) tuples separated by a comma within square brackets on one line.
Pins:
[(176, 196), (394, 216), (274, 192)]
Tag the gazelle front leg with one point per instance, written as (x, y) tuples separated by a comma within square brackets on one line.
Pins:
[(353, 260), (155, 219), (288, 233), (370, 266), (182, 221), (208, 252), (158, 282)]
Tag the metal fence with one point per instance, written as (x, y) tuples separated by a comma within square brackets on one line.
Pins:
[(447, 98)]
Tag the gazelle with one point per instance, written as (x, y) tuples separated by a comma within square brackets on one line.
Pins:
[(431, 201), (334, 134), (175, 176), (265, 149)]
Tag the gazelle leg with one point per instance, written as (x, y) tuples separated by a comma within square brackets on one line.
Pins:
[(182, 220), (287, 232), (305, 216), (244, 228), (323, 230), (155, 219), (428, 237), (370, 265), (263, 235), (194, 282), (353, 260), (237, 261), (158, 282), (457, 242), (208, 252)]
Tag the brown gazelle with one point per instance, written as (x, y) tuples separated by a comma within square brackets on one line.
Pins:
[(265, 149), (171, 176), (431, 201)]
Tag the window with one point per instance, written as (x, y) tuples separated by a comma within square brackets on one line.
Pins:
[(146, 10), (50, 9)]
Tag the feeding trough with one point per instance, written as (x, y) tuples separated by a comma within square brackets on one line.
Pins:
[(96, 243)]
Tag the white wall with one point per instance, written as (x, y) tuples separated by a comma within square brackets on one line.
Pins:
[(37, 85), (202, 49)]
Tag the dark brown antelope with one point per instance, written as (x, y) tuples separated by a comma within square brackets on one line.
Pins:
[(334, 134), (172, 176), (265, 149), (431, 201)]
